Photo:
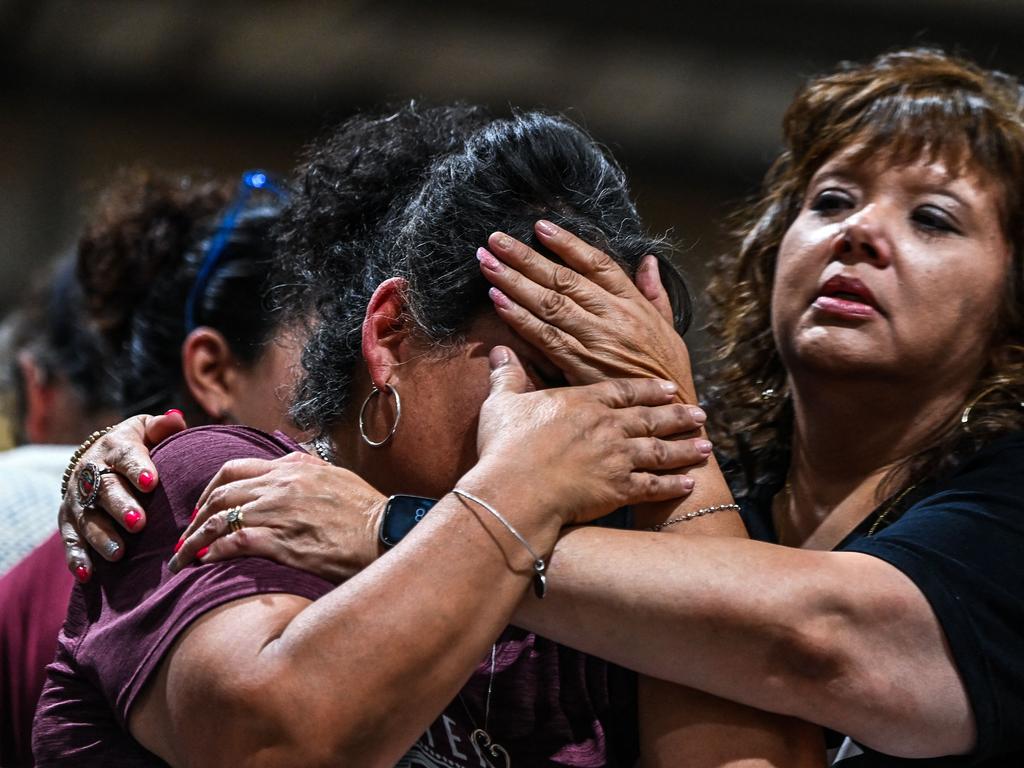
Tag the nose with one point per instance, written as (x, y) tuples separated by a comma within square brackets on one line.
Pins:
[(862, 237)]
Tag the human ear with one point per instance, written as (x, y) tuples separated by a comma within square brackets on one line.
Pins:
[(39, 400), (211, 372), (384, 329)]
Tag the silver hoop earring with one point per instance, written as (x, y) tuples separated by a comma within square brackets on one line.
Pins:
[(362, 413)]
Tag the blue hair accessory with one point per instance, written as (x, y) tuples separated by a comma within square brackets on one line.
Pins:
[(251, 181)]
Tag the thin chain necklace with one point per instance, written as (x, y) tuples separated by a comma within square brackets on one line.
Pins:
[(889, 507), (481, 737), (881, 512)]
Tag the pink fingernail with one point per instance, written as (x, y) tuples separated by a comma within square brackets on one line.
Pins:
[(178, 544), (174, 410), (698, 416), (688, 483), (500, 298), (132, 518), (202, 552), (486, 258), (704, 447), (82, 574), (145, 479), (545, 227)]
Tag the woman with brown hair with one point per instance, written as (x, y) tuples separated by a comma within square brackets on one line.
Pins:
[(868, 390)]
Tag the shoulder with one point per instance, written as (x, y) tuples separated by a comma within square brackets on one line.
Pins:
[(227, 441), (188, 460)]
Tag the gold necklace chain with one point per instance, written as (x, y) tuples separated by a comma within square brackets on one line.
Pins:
[(889, 508)]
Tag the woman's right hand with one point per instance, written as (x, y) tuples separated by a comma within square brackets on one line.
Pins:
[(582, 452), (124, 449)]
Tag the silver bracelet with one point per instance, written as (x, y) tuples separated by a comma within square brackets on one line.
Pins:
[(540, 579), (694, 515)]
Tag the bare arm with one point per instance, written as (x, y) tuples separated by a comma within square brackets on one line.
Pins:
[(595, 323), (844, 640), (277, 680), (257, 681)]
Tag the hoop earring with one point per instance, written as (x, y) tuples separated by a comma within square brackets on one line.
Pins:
[(965, 417), (362, 412)]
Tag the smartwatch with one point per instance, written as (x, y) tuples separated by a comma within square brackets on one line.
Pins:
[(401, 513)]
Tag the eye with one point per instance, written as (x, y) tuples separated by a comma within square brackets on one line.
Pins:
[(934, 220), (831, 201)]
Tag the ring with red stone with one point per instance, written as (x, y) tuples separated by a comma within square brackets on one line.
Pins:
[(90, 480)]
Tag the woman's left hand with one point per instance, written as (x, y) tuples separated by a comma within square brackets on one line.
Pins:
[(588, 317), (298, 511)]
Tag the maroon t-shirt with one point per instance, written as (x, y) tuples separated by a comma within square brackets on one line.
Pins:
[(33, 602), (550, 705)]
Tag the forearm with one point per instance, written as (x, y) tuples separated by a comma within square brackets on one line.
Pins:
[(436, 604), (356, 676), (683, 726), (710, 490), (833, 638)]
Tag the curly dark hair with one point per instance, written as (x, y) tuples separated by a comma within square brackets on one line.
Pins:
[(138, 259), (505, 176), (908, 104), (346, 182), (345, 185)]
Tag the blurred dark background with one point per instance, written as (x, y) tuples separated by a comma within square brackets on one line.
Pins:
[(688, 95)]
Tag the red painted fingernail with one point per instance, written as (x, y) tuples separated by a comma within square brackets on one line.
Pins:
[(194, 513), (500, 298), (132, 518), (82, 574), (145, 479), (178, 545), (174, 410), (202, 552), (545, 227)]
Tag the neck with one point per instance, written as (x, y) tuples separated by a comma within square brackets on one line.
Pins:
[(847, 435)]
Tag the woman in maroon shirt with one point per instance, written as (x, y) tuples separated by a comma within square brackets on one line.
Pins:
[(246, 661)]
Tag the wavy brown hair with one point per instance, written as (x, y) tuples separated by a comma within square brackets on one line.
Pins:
[(910, 104)]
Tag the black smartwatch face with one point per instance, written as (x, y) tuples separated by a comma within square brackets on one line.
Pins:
[(400, 515)]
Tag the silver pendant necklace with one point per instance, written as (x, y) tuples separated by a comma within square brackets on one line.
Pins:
[(480, 737)]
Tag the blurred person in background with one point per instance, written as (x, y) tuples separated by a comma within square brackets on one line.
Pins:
[(60, 391), (63, 390), (173, 269)]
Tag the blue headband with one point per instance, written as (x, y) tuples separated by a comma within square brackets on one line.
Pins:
[(251, 181)]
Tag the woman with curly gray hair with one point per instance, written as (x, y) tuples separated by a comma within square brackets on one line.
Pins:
[(868, 399), (412, 384)]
